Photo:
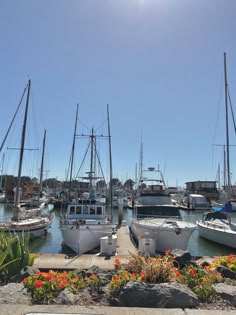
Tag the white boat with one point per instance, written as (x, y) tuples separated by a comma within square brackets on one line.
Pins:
[(31, 222), (196, 202), (218, 227), (156, 217), (87, 219)]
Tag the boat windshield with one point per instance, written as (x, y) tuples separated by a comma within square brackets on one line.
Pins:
[(160, 211)]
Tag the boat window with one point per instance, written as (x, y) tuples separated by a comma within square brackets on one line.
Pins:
[(78, 210), (92, 210), (72, 210), (99, 210), (85, 210)]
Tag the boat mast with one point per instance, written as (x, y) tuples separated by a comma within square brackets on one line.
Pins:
[(42, 164), (91, 173), (73, 150), (227, 128), (21, 152), (110, 158)]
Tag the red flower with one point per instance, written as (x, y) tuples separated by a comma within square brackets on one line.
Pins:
[(24, 280), (192, 272), (48, 277), (178, 274), (38, 283)]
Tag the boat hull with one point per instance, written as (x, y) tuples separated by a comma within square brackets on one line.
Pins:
[(82, 238), (168, 234), (221, 235), (33, 228)]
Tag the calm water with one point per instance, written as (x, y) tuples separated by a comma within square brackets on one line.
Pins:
[(53, 244)]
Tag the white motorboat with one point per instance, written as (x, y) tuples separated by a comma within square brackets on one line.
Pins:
[(156, 217), (87, 219)]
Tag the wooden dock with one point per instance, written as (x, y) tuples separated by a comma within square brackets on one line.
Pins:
[(125, 246)]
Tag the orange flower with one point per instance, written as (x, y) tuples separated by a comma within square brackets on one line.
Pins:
[(133, 276)]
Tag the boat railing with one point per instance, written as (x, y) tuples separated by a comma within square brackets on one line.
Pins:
[(141, 217)]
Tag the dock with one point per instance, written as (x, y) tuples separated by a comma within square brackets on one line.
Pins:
[(124, 247)]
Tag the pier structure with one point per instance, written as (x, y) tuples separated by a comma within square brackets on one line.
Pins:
[(124, 246)]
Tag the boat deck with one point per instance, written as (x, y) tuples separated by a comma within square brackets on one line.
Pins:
[(125, 246)]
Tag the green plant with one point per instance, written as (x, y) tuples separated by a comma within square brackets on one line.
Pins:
[(154, 269), (199, 280), (226, 261), (14, 255), (45, 286), (163, 269)]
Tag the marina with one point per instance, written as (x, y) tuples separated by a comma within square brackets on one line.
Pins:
[(52, 243)]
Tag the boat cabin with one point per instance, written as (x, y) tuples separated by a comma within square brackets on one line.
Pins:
[(85, 209)]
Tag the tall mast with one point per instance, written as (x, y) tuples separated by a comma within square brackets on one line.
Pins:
[(42, 163), (227, 127), (91, 172), (110, 158), (73, 150), (22, 150)]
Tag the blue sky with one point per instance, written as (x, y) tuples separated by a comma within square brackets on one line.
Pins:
[(157, 63)]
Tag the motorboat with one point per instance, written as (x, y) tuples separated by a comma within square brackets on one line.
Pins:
[(155, 216)]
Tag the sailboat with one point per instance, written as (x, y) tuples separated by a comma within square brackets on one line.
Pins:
[(87, 219), (32, 222), (217, 225)]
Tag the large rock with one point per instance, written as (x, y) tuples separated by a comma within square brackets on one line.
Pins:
[(14, 293), (227, 292), (163, 295)]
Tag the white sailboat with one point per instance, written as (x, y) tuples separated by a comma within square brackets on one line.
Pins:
[(87, 219), (33, 222), (217, 226)]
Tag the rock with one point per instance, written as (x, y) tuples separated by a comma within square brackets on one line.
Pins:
[(227, 292), (163, 295), (24, 273), (14, 293), (66, 297), (226, 272), (181, 257)]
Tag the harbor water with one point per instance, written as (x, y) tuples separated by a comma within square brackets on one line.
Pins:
[(52, 243)]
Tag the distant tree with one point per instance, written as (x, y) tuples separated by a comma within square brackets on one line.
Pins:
[(101, 184), (116, 182), (129, 184)]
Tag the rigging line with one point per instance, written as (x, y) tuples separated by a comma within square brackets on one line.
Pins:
[(77, 175), (232, 111), (99, 161), (5, 138)]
